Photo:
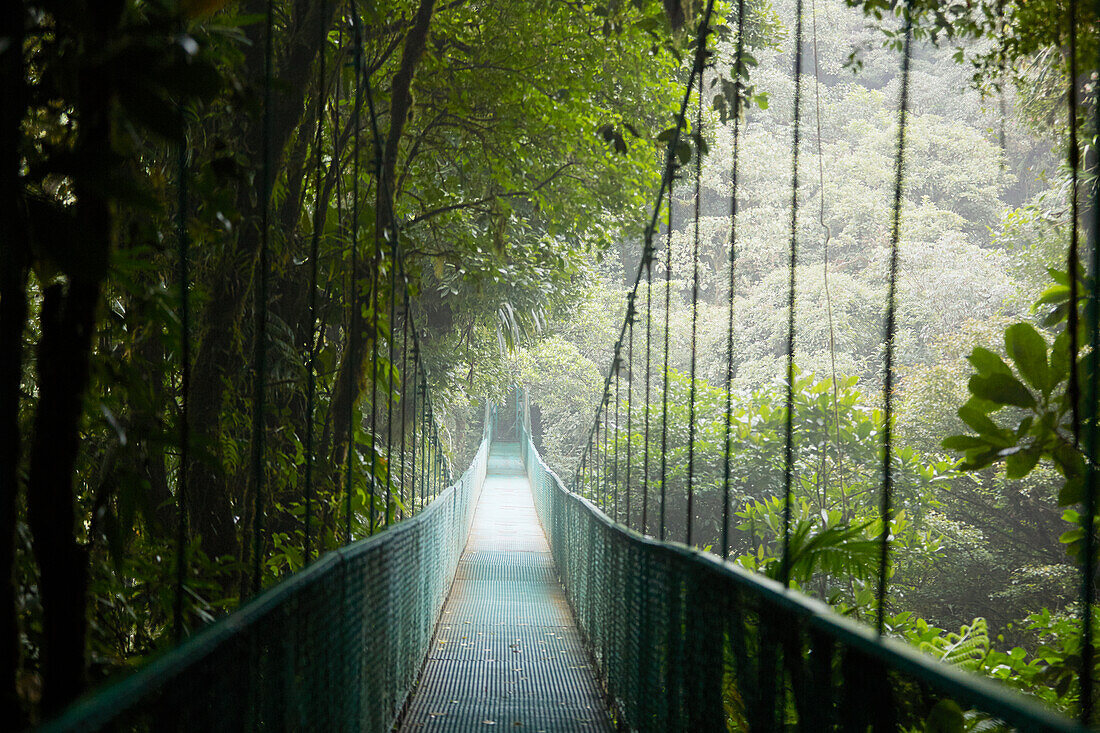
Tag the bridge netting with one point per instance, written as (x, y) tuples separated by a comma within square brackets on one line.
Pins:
[(337, 646), (683, 640), (680, 639)]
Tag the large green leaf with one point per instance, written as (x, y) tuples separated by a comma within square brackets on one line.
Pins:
[(1028, 350), (1021, 462), (1002, 389), (981, 424), (964, 442), (986, 362)]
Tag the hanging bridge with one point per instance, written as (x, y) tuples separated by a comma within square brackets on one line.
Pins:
[(513, 603), (509, 598)]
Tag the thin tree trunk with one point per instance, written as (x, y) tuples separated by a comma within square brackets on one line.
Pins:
[(64, 354), (352, 373), (13, 317)]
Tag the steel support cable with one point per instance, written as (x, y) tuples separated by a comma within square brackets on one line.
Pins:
[(1073, 259), (355, 326), (788, 447), (259, 356), (648, 333), (424, 424), (183, 243), (314, 248), (601, 488), (629, 403), (668, 174), (374, 359), (738, 62), (404, 391), (418, 486), (1002, 76), (436, 456), (596, 463), (413, 473), (429, 466), (664, 390), (427, 495), (695, 297), (616, 366), (607, 476), (389, 388), (433, 470), (891, 322)]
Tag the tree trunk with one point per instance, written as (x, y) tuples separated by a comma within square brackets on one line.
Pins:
[(68, 316), (13, 317), (352, 374), (216, 360), (64, 353)]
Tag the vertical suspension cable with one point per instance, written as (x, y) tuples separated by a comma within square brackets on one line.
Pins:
[(666, 185), (695, 292), (629, 400), (738, 62), (433, 457), (183, 243), (404, 392), (355, 326), (429, 425), (413, 473), (259, 356), (1002, 78), (314, 248), (664, 393), (606, 430), (424, 425), (596, 460), (437, 455), (648, 333), (616, 366), (375, 266), (389, 385), (589, 485), (891, 312), (418, 490), (788, 449), (1073, 260)]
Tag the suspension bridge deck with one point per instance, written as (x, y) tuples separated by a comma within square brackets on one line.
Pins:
[(507, 651)]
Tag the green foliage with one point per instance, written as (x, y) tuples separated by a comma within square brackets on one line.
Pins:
[(819, 543), (1039, 405)]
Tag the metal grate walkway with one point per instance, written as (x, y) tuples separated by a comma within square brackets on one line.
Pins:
[(507, 652)]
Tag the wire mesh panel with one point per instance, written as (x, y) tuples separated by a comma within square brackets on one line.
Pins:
[(335, 647), (685, 641)]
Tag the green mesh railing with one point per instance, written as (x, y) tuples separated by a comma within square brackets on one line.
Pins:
[(336, 646), (685, 641)]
